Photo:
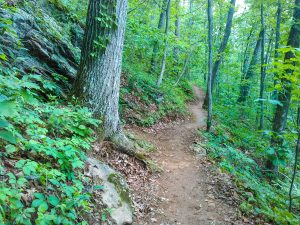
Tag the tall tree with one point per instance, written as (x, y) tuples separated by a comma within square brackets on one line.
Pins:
[(221, 50), (98, 80), (177, 32), (246, 81), (277, 41), (163, 64), (209, 64), (284, 95), (262, 69), (297, 153), (160, 26)]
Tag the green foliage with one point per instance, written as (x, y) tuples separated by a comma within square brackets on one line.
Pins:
[(43, 143), (152, 104), (259, 196)]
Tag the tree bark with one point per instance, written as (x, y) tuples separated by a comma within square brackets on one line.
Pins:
[(209, 64), (163, 64), (186, 61), (156, 44), (284, 96), (277, 41), (221, 50), (177, 34), (246, 81), (297, 153), (262, 70), (245, 61), (98, 80)]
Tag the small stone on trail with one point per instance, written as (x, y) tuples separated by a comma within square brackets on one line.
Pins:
[(153, 220), (212, 205)]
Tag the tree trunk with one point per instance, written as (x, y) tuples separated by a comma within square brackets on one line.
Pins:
[(209, 64), (245, 62), (186, 61), (262, 70), (156, 44), (297, 153), (277, 40), (222, 48), (284, 96), (245, 84), (177, 34), (98, 80), (163, 64)]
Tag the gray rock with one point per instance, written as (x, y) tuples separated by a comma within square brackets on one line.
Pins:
[(115, 193)]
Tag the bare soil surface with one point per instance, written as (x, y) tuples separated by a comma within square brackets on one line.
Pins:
[(188, 191)]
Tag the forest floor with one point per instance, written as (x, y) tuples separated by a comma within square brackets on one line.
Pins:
[(189, 189)]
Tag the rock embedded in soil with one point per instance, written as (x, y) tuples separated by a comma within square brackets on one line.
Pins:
[(115, 194)]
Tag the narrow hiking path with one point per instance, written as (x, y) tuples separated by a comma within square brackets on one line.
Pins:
[(186, 189)]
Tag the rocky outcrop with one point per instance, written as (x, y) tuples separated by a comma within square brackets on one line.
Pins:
[(39, 43), (115, 194)]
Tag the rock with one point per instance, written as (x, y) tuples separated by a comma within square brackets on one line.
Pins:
[(212, 205), (45, 46), (115, 194)]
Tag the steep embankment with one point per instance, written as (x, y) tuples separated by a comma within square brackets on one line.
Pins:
[(188, 191)]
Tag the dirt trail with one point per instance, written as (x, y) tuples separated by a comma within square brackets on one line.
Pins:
[(184, 187)]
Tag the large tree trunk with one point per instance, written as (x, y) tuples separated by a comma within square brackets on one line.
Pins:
[(262, 69), (209, 64), (163, 64), (156, 44), (246, 81), (98, 79), (222, 48), (284, 96)]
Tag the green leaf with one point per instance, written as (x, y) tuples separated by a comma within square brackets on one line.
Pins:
[(3, 57), (39, 196), (8, 136), (36, 202), (98, 187), (4, 123), (43, 207), (7, 108), (53, 200), (10, 149)]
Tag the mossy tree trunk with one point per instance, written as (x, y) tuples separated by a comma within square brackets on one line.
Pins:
[(98, 79)]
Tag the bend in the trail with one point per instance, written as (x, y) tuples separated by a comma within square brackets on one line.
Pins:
[(185, 187)]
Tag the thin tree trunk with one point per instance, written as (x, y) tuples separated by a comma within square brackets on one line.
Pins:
[(284, 96), (98, 80), (177, 34), (209, 64), (163, 64), (277, 41), (156, 44), (262, 70), (297, 153), (184, 69), (222, 48), (245, 61), (245, 84)]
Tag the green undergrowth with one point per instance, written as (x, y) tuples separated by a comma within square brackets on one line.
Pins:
[(43, 141), (144, 104), (260, 196)]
